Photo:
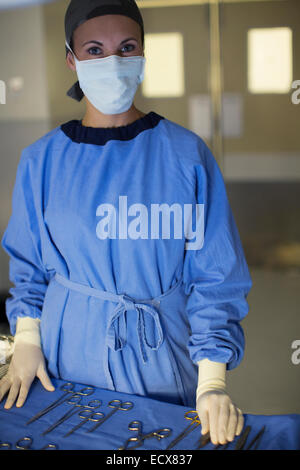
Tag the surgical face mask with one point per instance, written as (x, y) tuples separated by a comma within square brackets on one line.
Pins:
[(110, 84)]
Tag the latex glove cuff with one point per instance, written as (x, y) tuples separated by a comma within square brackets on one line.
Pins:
[(211, 377), (28, 331)]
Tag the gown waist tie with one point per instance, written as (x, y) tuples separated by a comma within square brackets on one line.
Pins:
[(114, 339)]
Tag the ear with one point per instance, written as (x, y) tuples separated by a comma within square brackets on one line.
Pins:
[(70, 61)]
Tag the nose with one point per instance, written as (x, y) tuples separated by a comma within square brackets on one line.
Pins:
[(113, 52)]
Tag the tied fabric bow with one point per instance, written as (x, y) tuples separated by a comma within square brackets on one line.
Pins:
[(117, 327)]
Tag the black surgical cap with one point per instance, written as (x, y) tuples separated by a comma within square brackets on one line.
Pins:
[(80, 11)]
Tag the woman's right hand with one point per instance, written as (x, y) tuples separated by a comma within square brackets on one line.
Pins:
[(27, 363)]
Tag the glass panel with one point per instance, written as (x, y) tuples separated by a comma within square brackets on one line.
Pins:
[(270, 60), (164, 70)]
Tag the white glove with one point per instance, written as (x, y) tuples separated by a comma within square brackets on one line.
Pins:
[(28, 331), (218, 415), (27, 362)]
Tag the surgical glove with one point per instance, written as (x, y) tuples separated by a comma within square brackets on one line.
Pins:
[(28, 331), (217, 414), (27, 362)]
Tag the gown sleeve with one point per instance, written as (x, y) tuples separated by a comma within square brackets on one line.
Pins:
[(21, 241), (216, 276)]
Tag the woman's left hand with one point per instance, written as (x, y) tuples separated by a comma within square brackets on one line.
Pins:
[(219, 416)]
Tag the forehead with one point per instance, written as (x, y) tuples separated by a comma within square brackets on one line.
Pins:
[(106, 27)]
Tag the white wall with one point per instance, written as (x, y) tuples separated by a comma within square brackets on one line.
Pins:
[(22, 54)]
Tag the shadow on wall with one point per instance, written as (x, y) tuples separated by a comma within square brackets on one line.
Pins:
[(268, 219)]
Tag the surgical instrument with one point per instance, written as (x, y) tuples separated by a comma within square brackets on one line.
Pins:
[(222, 446), (195, 422), (76, 402), (203, 441), (256, 439), (116, 405), (240, 445), (5, 445), (242, 439), (67, 388), (140, 438), (29, 441), (86, 415)]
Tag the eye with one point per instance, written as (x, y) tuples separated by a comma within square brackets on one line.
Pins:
[(97, 51), (94, 50), (129, 45)]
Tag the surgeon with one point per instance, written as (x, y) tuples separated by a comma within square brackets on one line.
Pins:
[(127, 266)]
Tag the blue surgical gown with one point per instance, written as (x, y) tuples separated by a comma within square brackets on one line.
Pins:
[(124, 305)]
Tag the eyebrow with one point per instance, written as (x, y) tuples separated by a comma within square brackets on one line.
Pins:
[(101, 44)]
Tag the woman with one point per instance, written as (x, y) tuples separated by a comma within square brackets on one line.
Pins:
[(102, 295)]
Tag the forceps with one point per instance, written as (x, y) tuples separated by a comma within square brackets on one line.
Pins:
[(67, 388), (140, 438), (29, 441), (195, 422), (243, 438), (241, 442), (86, 415), (116, 405), (256, 439), (204, 440), (75, 400)]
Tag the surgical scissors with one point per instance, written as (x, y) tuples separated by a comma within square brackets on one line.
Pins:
[(116, 405), (29, 441), (86, 415), (68, 388), (75, 400), (195, 422), (140, 438)]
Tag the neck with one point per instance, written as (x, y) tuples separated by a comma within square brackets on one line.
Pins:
[(94, 118)]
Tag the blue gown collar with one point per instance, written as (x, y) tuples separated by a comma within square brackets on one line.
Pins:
[(100, 135)]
